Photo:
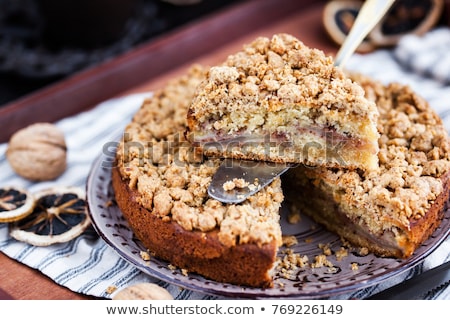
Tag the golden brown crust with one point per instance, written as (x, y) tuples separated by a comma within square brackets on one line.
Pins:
[(196, 251)]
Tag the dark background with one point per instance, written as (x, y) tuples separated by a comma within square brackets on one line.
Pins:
[(43, 41)]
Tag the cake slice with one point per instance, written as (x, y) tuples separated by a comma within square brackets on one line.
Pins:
[(392, 210), (279, 100)]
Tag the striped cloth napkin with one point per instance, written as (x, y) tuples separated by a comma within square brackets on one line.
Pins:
[(89, 266), (428, 55)]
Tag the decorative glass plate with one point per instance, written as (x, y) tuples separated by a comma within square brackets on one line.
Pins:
[(305, 282)]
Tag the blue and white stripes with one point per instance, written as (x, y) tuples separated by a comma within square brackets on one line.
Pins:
[(427, 55)]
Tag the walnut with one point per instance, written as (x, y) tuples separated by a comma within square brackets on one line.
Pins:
[(38, 152), (143, 291)]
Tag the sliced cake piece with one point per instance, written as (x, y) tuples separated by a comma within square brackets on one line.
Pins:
[(279, 100), (391, 211)]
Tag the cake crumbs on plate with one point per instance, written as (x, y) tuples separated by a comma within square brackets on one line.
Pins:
[(321, 261), (294, 217), (309, 240), (354, 266), (333, 269), (341, 253), (363, 251), (325, 249), (290, 262), (109, 203), (172, 267), (145, 255), (289, 241)]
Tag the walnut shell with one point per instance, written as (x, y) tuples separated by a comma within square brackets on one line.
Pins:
[(38, 152), (143, 291)]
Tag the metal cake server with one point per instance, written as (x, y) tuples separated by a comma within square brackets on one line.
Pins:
[(257, 174), (265, 172)]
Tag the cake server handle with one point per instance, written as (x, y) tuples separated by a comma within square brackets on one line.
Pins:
[(265, 172), (369, 15)]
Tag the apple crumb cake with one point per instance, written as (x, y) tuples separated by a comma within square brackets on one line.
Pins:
[(279, 100), (391, 210), (160, 184)]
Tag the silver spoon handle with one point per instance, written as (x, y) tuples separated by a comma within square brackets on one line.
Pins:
[(370, 14)]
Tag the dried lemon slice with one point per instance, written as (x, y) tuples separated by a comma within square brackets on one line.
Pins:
[(15, 204), (59, 215)]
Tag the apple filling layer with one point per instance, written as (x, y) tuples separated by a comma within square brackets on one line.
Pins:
[(312, 145)]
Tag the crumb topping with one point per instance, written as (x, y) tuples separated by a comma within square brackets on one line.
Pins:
[(413, 158), (172, 177), (279, 85)]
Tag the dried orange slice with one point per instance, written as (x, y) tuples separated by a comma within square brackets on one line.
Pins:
[(59, 215), (406, 17), (15, 204)]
